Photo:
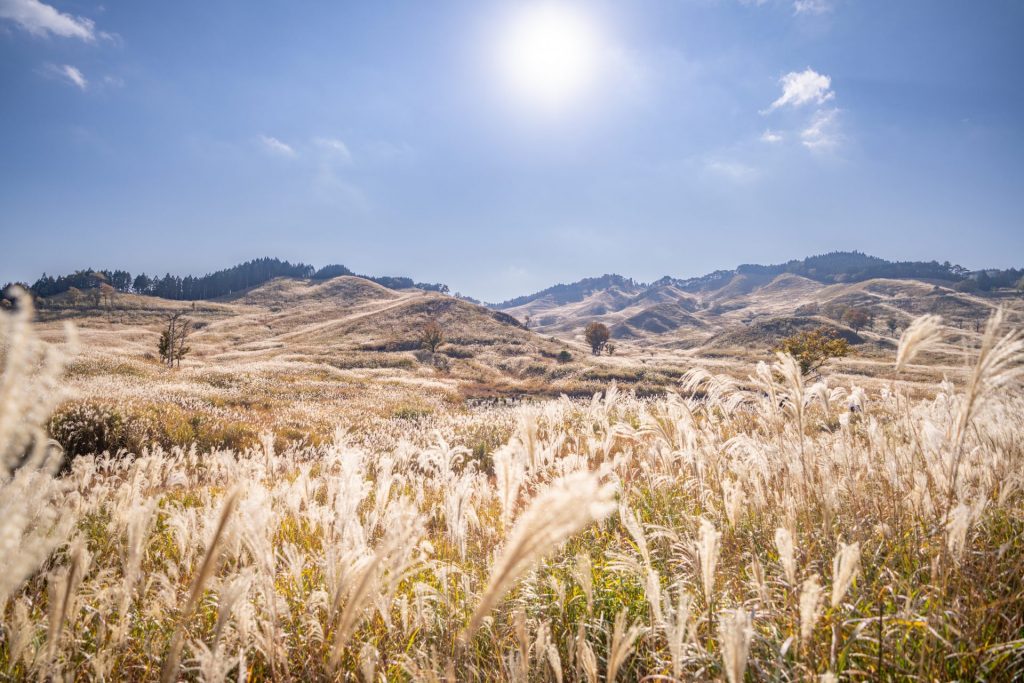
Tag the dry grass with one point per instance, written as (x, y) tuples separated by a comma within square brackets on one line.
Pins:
[(762, 529)]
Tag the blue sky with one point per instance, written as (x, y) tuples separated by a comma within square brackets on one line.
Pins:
[(391, 137)]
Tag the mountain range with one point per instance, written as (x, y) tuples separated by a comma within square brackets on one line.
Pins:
[(371, 333)]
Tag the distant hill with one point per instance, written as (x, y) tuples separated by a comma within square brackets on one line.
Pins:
[(638, 308), (342, 328), (211, 286), (576, 291), (837, 266), (734, 307)]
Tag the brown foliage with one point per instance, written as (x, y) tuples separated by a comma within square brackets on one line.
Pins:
[(431, 336), (597, 335)]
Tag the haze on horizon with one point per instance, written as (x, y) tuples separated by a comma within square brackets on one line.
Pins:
[(501, 147)]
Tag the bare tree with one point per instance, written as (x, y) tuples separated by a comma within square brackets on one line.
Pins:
[(107, 293), (431, 336), (172, 340)]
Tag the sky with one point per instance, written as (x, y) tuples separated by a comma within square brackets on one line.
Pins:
[(501, 147)]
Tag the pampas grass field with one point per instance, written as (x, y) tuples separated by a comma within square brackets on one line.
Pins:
[(766, 529)]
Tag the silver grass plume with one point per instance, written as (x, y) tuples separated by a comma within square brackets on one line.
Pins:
[(958, 524), (810, 607), (169, 671), (708, 549), (998, 364), (392, 555), (677, 626), (735, 633), (28, 388), (623, 639), (844, 569), (653, 587), (921, 334), (586, 659), (565, 507), (583, 573), (784, 544), (31, 526)]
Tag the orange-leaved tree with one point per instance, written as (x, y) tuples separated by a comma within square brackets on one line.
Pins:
[(597, 335)]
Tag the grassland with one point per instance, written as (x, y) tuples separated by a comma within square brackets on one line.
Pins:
[(315, 502)]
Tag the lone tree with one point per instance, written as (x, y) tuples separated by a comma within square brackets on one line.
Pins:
[(107, 294), (892, 324), (813, 349), (856, 318), (172, 340), (597, 335), (431, 336)]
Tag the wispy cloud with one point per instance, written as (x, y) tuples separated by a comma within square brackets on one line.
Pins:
[(41, 19), (275, 146), (69, 74), (336, 147), (734, 171), (384, 152), (803, 87), (770, 136), (811, 6), (822, 134)]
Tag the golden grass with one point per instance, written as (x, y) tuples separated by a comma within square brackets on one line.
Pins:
[(745, 528)]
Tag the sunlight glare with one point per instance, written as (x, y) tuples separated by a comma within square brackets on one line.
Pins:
[(549, 56)]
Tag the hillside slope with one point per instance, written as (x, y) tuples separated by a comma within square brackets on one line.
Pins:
[(742, 307)]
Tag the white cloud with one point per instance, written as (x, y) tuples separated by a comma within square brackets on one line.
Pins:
[(275, 146), (822, 133), (771, 136), (811, 6), (41, 19), (67, 73), (336, 147), (803, 87)]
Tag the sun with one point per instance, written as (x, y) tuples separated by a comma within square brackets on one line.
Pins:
[(548, 55)]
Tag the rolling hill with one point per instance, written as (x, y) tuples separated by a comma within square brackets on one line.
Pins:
[(357, 337), (728, 308)]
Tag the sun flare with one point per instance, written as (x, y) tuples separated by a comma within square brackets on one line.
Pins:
[(548, 55)]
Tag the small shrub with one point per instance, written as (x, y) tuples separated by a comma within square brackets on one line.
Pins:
[(856, 318), (411, 412), (85, 428), (597, 335), (93, 427), (815, 348)]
